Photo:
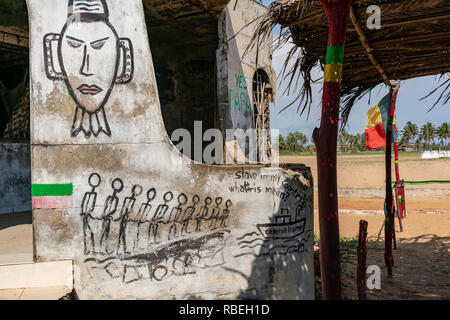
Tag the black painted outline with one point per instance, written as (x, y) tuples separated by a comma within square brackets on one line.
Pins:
[(125, 52)]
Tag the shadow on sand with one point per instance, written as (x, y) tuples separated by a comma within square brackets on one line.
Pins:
[(421, 269)]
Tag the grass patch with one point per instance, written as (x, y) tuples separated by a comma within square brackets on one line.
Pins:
[(296, 154), (347, 245), (365, 153), (344, 241)]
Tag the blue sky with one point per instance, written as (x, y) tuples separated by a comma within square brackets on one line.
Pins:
[(409, 108)]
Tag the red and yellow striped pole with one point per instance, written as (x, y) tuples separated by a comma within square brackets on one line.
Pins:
[(325, 139)]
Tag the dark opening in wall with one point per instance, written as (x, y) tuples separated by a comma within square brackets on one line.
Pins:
[(15, 162), (262, 96), (14, 97), (14, 101), (184, 57)]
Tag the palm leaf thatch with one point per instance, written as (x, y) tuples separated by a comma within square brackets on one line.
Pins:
[(414, 41)]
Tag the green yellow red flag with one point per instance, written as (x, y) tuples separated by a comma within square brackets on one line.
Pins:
[(375, 131)]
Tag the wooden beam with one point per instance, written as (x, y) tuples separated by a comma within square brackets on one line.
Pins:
[(369, 49), (13, 39)]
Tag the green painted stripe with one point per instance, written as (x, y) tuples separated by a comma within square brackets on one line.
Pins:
[(335, 54), (42, 190)]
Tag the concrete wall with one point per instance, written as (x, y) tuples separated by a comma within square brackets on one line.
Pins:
[(139, 219), (236, 27), (435, 154), (15, 177)]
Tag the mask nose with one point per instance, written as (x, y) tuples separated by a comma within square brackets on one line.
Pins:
[(84, 70)]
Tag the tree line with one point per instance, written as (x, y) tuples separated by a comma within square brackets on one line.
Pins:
[(428, 137)]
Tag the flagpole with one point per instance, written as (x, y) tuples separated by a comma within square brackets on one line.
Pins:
[(399, 187), (389, 205), (325, 139)]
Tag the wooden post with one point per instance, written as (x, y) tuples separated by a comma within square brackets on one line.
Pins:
[(389, 212), (325, 139), (362, 254)]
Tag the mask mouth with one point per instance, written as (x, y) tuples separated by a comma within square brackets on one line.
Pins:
[(89, 90)]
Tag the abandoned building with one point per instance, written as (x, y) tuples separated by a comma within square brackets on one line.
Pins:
[(94, 162)]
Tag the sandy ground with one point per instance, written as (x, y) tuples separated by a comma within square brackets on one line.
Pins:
[(422, 257), (370, 169), (16, 238)]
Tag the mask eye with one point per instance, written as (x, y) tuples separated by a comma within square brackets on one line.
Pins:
[(73, 44), (98, 45)]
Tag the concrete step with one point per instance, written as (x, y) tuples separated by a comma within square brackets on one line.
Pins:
[(16, 258), (47, 293), (37, 275)]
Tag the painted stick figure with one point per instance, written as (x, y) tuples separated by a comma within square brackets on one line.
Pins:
[(202, 214), (188, 213), (215, 214), (225, 214), (127, 208), (90, 54), (143, 218), (146, 207), (109, 214), (159, 215), (87, 209), (176, 215)]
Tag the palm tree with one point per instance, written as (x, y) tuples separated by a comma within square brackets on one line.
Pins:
[(343, 140), (443, 132), (311, 148), (410, 132), (280, 142), (354, 142), (361, 142), (296, 141), (428, 133), (419, 141)]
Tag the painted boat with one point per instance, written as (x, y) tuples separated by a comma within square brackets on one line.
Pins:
[(287, 230)]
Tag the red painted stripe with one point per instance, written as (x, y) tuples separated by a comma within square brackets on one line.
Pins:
[(338, 12), (60, 202)]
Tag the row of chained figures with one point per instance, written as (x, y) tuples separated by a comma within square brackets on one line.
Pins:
[(139, 227)]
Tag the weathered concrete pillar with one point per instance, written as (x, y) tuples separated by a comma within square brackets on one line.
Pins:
[(111, 192)]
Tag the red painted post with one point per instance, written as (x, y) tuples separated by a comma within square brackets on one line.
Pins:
[(397, 178), (389, 224), (325, 139), (362, 254)]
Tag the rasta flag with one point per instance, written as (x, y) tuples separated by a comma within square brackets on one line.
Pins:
[(376, 127)]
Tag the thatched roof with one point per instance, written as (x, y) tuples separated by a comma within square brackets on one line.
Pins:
[(414, 41), (182, 9)]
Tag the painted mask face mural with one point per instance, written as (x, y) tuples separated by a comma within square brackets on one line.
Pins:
[(92, 59)]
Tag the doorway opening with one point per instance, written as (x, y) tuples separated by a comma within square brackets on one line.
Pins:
[(184, 56), (262, 96)]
